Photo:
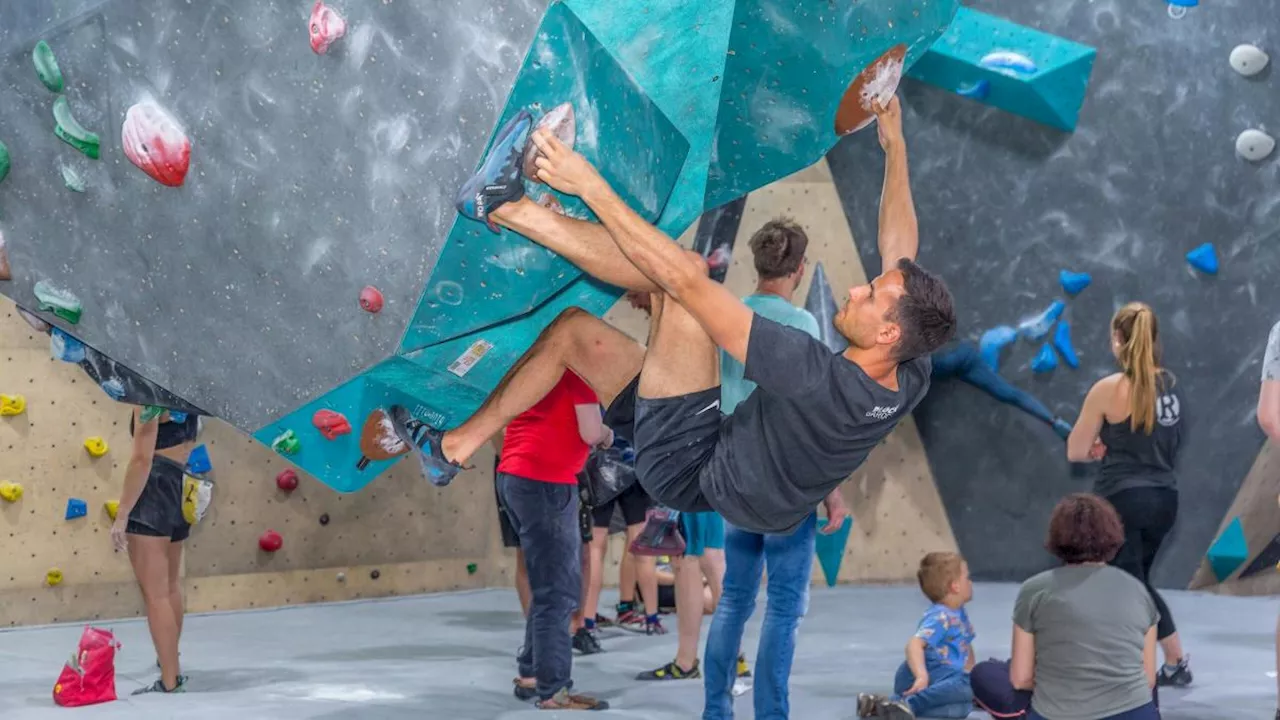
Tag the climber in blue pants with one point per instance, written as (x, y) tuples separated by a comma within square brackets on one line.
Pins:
[(965, 362)]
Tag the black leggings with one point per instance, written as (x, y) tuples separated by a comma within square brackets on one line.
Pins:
[(1148, 514)]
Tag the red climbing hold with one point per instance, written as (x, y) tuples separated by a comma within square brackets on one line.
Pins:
[(270, 541), (371, 299), (287, 480), (326, 27), (154, 141), (331, 424)]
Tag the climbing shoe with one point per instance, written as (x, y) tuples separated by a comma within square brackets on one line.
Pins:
[(586, 643), (523, 692), (879, 706), (499, 179), (653, 626), (564, 701), (1175, 675), (426, 440), (604, 622), (158, 687), (744, 670), (672, 671), (630, 619)]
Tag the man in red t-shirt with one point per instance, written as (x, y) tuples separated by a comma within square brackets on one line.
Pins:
[(543, 450)]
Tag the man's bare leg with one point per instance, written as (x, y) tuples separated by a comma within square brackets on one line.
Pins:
[(681, 357), (587, 245), (603, 356)]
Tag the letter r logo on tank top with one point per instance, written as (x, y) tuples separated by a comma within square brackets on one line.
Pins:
[(1168, 411)]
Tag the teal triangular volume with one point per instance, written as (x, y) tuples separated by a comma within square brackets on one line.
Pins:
[(830, 549), (1229, 551), (1011, 67)]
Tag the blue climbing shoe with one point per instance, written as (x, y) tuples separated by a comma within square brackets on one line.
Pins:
[(499, 179), (438, 469)]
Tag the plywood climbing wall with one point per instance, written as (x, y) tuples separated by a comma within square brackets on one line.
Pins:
[(1257, 507)]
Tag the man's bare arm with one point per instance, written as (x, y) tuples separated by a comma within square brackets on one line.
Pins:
[(899, 228)]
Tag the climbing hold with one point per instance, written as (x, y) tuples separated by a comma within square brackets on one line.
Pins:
[(1204, 259), (6, 272), (53, 577), (342, 577), (64, 347), (4, 161), (36, 323), (975, 91), (286, 443), (326, 27), (471, 568), (375, 574), (1249, 60), (830, 549), (331, 424), (155, 142), (270, 541), (76, 508), (378, 439), (287, 480), (822, 305), (1062, 341), (96, 446), (371, 299), (1044, 361), (47, 67), (1229, 551), (198, 462), (12, 404), (177, 417), (112, 507), (71, 131), (878, 82), (72, 179), (324, 519), (1074, 282), (993, 342), (62, 303), (151, 412), (1255, 145), (1038, 326), (10, 491), (1007, 62), (561, 123), (1178, 8), (114, 388)]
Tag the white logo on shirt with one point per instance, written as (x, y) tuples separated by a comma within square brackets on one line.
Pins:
[(1168, 410), (882, 413), (713, 406)]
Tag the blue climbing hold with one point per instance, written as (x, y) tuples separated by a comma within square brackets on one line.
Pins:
[(1038, 326), (1007, 62), (1229, 551), (1062, 341), (975, 91), (830, 549), (993, 342), (821, 303), (177, 416), (76, 508), (1044, 361), (1204, 259), (64, 347), (114, 388), (198, 462), (1074, 282)]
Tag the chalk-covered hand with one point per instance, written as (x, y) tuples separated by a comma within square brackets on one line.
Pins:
[(889, 123), (117, 530)]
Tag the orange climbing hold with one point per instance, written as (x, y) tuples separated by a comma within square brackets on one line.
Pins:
[(12, 404), (96, 446), (331, 424)]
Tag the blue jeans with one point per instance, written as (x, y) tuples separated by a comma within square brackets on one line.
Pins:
[(545, 517), (948, 695), (790, 561)]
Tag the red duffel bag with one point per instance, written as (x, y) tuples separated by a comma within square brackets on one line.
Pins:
[(90, 676)]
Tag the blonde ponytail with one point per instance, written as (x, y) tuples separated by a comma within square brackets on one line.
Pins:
[(1139, 359)]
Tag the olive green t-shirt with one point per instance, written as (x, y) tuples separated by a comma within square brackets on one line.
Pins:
[(1090, 623)]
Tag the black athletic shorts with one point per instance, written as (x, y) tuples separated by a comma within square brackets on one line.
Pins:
[(674, 439), (158, 512), (509, 537), (634, 502)]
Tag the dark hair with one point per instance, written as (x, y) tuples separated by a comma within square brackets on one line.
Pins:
[(937, 571), (1084, 528), (779, 248), (925, 313)]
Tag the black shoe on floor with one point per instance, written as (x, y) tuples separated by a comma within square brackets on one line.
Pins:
[(586, 643), (1179, 676), (671, 671)]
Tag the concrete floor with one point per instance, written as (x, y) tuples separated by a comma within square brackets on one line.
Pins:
[(450, 656)]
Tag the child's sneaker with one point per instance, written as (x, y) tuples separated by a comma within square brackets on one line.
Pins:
[(744, 670)]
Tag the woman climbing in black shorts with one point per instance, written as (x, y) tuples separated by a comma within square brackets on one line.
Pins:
[(1132, 422), (151, 526)]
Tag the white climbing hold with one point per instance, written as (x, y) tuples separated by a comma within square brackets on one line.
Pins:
[(1249, 60), (1255, 145)]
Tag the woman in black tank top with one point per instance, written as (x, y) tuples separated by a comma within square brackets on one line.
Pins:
[(1132, 424), (151, 526)]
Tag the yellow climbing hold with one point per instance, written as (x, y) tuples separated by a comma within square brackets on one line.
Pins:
[(10, 491), (96, 446), (12, 404), (53, 577), (113, 507)]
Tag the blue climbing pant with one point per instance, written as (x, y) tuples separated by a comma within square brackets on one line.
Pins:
[(965, 363)]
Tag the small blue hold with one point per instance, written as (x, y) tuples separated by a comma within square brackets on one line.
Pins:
[(993, 342), (176, 416), (64, 347), (1044, 361), (1204, 259), (76, 508), (1062, 341), (1007, 62), (1038, 326), (1074, 282), (1184, 3), (975, 91), (114, 388), (198, 461)]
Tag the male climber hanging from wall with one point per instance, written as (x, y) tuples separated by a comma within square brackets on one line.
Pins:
[(815, 415)]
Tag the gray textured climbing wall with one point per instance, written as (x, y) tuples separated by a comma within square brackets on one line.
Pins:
[(1150, 173), (344, 163)]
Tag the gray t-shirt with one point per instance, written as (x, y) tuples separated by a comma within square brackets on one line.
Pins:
[(1271, 361), (1090, 623), (811, 421)]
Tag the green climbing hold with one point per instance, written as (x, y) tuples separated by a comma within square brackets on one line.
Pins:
[(287, 443), (471, 568), (57, 301), (72, 179), (71, 132), (47, 66), (151, 412), (4, 161)]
